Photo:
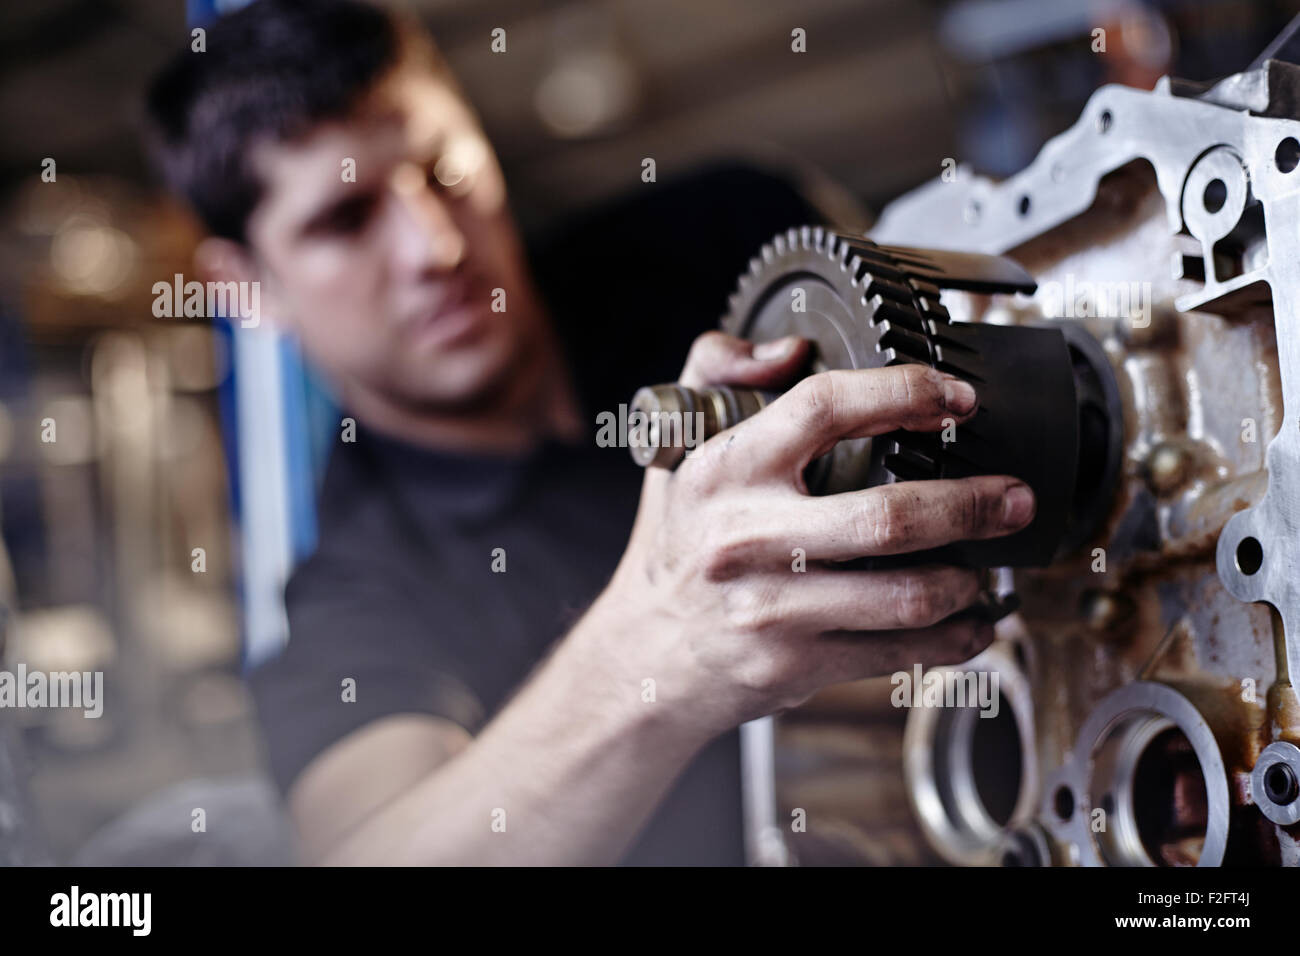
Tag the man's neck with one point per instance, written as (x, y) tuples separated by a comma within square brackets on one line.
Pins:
[(538, 401)]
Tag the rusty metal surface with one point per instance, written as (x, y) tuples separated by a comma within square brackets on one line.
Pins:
[(1159, 662)]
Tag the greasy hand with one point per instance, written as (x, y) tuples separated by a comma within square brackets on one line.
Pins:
[(732, 630)]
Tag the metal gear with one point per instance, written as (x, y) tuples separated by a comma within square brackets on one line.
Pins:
[(866, 305)]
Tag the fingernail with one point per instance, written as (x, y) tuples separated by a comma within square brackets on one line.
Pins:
[(1017, 506), (776, 349), (958, 396)]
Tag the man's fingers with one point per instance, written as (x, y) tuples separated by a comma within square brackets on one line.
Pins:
[(898, 518), (720, 359), (823, 599), (823, 409), (846, 656), (909, 516)]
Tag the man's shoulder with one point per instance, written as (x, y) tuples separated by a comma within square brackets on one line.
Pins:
[(351, 505), (358, 535)]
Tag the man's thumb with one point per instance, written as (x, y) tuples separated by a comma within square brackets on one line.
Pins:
[(720, 359)]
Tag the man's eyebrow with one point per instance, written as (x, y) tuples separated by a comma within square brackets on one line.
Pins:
[(321, 219)]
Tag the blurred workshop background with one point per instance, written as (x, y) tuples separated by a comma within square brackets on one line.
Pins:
[(98, 569)]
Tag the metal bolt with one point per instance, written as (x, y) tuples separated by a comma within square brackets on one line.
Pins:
[(674, 419), (1106, 614), (1167, 467)]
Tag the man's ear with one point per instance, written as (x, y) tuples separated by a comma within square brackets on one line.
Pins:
[(224, 260)]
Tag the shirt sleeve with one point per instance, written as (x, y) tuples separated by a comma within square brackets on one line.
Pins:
[(358, 651)]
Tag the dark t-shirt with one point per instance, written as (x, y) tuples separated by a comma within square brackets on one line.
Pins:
[(401, 595)]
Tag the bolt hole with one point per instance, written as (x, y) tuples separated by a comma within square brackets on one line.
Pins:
[(1105, 121), (1063, 803), (1250, 556), (1023, 205), (1169, 803), (1287, 156), (1216, 194), (1280, 784)]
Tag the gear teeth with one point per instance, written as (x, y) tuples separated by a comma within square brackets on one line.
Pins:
[(846, 254), (835, 250), (952, 350), (906, 345), (893, 299), (856, 269), (893, 312), (909, 464), (883, 288)]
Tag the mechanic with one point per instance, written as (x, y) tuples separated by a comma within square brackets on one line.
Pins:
[(520, 693)]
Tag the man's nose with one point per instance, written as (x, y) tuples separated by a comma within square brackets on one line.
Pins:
[(428, 238)]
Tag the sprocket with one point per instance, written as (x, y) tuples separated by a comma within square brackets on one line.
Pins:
[(866, 305)]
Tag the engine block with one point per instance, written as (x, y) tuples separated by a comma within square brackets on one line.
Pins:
[(1147, 709)]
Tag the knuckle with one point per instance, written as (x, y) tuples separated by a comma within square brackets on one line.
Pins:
[(763, 671), (698, 475), (727, 558), (880, 524), (814, 402), (986, 508), (918, 602), (910, 383), (706, 343), (750, 610), (970, 507), (915, 389), (965, 640), (703, 352)]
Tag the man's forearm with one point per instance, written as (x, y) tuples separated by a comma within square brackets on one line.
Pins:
[(567, 773)]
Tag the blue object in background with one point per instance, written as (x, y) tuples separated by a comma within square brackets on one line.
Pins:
[(278, 424)]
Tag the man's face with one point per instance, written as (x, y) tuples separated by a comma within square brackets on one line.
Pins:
[(380, 241)]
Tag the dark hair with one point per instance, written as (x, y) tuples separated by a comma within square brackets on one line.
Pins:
[(273, 69)]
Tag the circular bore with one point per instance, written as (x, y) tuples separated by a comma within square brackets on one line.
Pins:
[(1063, 802), (1250, 555), (1151, 758), (972, 780), (1215, 194), (1287, 155), (1275, 783)]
